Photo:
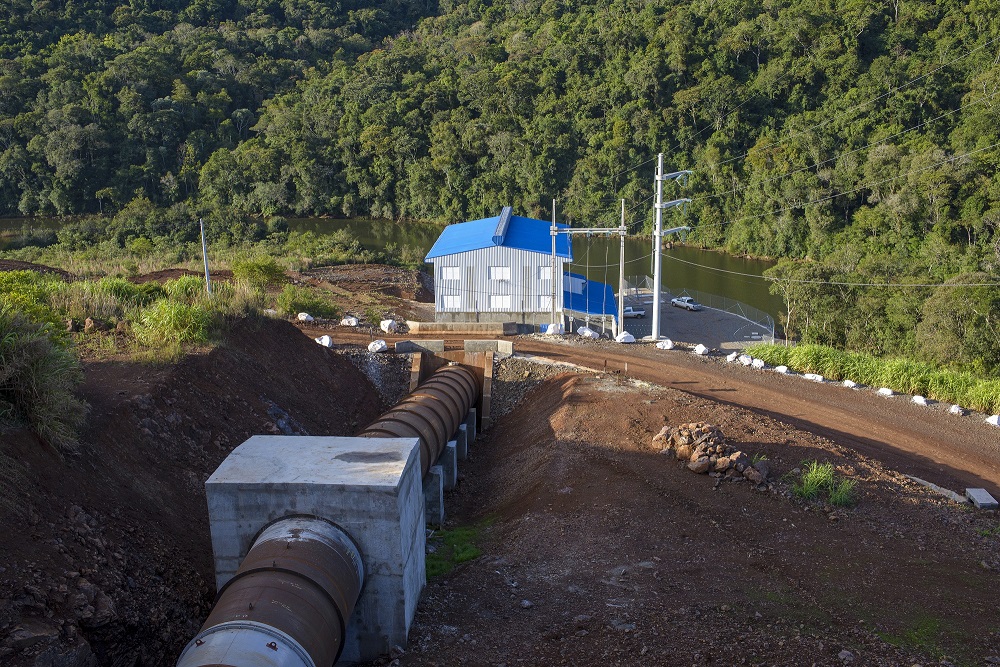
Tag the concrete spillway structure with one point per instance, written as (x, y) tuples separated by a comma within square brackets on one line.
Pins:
[(319, 542)]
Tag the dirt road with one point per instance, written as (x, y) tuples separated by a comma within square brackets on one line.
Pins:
[(954, 452)]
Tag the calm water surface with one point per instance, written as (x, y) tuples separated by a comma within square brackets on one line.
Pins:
[(597, 257)]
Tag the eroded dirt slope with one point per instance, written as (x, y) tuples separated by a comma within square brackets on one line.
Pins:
[(598, 549), (106, 555)]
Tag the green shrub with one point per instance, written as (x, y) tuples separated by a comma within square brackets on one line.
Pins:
[(842, 493), (174, 322), (774, 355), (294, 300), (862, 368), (984, 396), (906, 376), (820, 359), (38, 375), (29, 292), (816, 478), (186, 289), (258, 271)]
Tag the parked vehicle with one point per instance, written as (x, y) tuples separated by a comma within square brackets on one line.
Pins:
[(685, 302), (634, 312)]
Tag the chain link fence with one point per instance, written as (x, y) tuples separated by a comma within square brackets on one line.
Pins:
[(638, 286)]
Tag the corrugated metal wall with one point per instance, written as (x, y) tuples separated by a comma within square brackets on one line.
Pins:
[(528, 292)]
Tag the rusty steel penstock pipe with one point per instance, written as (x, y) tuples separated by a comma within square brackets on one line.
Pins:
[(289, 602), (432, 412)]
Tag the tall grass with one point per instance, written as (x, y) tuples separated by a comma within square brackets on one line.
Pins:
[(38, 375), (294, 300), (169, 321), (906, 376)]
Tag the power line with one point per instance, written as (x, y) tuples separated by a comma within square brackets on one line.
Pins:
[(832, 282)]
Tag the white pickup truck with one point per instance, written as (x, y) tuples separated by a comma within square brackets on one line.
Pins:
[(634, 312)]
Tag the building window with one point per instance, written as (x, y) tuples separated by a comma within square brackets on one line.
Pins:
[(499, 273), (545, 273), (545, 302), (451, 301), (450, 273), (500, 302)]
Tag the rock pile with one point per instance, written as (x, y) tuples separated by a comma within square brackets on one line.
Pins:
[(704, 448)]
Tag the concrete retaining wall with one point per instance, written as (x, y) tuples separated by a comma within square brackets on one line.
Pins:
[(410, 346), (489, 328)]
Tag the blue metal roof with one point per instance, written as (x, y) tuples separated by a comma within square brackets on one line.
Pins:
[(506, 229), (594, 299)]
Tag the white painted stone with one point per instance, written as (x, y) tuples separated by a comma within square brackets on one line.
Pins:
[(732, 356), (850, 384), (325, 341), (305, 317), (388, 326), (625, 337), (957, 410), (919, 400), (377, 346), (552, 329), (885, 391), (349, 321), (370, 487), (745, 359), (700, 350), (814, 377), (781, 369), (994, 420), (587, 332), (758, 364), (665, 344)]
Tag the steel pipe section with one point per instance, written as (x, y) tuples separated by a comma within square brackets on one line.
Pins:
[(288, 603), (432, 412)]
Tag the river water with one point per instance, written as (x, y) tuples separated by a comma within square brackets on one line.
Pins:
[(597, 257), (684, 267)]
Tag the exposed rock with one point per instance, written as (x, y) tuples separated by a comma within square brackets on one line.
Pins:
[(661, 440), (29, 633), (764, 468), (699, 466), (753, 475)]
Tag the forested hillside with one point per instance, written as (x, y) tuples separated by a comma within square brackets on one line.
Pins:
[(863, 136)]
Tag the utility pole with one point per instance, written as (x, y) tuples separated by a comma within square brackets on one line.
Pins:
[(658, 236), (552, 276), (621, 277), (204, 254)]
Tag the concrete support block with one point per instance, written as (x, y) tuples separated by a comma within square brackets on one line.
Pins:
[(502, 347), (462, 441), (981, 498), (470, 425), (370, 487), (449, 464), (408, 346), (434, 496)]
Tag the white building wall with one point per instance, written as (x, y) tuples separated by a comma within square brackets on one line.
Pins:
[(527, 289)]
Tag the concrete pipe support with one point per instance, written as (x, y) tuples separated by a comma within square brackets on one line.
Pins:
[(289, 602), (432, 412)]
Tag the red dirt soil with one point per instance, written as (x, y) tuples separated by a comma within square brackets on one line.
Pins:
[(107, 559), (597, 549)]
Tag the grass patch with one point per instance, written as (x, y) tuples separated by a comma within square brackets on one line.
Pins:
[(294, 300), (819, 479), (453, 547), (906, 376), (924, 635), (172, 322), (38, 376), (258, 271)]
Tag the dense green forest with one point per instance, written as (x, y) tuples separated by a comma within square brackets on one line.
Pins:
[(861, 136)]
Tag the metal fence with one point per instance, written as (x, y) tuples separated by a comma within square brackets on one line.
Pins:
[(637, 286)]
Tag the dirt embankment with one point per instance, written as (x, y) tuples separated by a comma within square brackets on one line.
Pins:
[(107, 556), (598, 549)]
